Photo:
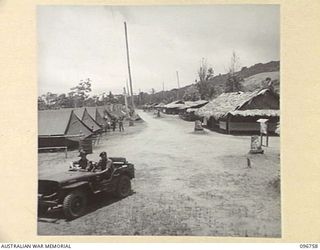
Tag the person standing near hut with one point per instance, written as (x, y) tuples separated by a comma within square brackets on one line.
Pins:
[(121, 128)]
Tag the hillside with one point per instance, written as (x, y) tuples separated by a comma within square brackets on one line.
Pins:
[(253, 78), (257, 81)]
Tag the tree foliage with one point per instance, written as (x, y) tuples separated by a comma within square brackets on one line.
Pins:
[(234, 80), (81, 92), (191, 94), (233, 83), (205, 74)]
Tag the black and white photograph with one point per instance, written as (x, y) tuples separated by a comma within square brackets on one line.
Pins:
[(159, 120)]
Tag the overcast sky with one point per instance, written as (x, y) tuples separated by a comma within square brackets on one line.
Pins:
[(79, 42)]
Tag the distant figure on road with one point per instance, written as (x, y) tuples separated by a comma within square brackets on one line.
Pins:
[(114, 124), (121, 128)]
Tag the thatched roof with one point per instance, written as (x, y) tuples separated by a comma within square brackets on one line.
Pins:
[(228, 102), (189, 110), (160, 105), (193, 104), (255, 112), (186, 104), (175, 104)]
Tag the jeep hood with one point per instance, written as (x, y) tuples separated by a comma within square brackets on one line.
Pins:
[(67, 176)]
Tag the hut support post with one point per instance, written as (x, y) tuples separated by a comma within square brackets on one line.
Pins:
[(261, 140), (66, 147), (228, 124)]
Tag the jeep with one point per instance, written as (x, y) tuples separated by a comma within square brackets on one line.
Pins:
[(71, 189)]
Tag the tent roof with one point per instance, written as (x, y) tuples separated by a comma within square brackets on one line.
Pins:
[(100, 110), (79, 112), (53, 122), (92, 111), (90, 121)]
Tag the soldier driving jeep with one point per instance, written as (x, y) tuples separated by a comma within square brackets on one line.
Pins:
[(104, 164)]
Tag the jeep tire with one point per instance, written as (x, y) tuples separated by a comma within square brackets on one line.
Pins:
[(124, 186), (74, 204)]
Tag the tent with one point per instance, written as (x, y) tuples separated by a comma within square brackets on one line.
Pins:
[(90, 122), (61, 127), (97, 116), (87, 119)]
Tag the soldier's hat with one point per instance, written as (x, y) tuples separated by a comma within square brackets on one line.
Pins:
[(103, 154)]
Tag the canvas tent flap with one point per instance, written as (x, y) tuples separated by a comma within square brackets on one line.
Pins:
[(95, 114), (78, 112), (90, 122), (77, 129)]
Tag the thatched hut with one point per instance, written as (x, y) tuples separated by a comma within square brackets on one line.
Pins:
[(239, 111), (160, 105), (187, 112), (172, 108)]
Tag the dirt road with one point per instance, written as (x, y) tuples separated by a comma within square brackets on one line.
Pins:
[(186, 184)]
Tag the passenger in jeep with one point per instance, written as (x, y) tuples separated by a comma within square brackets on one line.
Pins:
[(83, 163)]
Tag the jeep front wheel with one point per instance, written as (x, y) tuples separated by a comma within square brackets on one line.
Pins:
[(124, 187), (74, 204)]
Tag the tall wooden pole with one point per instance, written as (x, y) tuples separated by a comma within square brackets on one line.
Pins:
[(163, 86), (178, 84), (127, 86), (178, 79), (162, 91), (128, 61), (125, 99)]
